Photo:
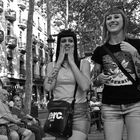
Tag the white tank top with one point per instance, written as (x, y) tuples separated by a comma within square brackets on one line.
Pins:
[(65, 85)]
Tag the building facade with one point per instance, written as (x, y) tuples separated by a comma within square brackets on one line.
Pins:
[(13, 30)]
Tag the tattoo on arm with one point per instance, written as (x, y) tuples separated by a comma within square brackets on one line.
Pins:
[(136, 59), (96, 82), (53, 75)]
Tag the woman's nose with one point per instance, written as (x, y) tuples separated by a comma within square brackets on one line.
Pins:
[(67, 43)]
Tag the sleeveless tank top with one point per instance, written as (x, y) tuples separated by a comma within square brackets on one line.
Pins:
[(65, 85)]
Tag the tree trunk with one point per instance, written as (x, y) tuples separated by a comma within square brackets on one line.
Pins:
[(28, 83)]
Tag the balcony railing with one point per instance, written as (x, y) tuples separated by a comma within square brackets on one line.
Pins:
[(42, 60), (22, 72), (44, 14), (11, 41), (35, 40), (10, 68), (1, 35), (9, 54), (41, 43), (40, 28), (22, 47), (1, 6), (21, 4), (23, 24), (45, 32), (35, 57), (10, 15), (22, 59)]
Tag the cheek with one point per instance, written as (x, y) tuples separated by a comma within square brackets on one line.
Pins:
[(61, 45), (121, 24), (107, 24)]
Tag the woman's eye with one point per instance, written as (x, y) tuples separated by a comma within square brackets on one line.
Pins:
[(108, 18), (70, 40), (63, 40), (116, 16)]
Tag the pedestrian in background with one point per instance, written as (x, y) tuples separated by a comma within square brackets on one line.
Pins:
[(13, 122), (30, 121), (121, 98), (62, 76)]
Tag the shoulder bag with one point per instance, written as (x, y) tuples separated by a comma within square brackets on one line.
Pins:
[(135, 82), (60, 117)]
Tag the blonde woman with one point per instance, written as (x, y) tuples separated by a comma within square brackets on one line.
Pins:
[(121, 98)]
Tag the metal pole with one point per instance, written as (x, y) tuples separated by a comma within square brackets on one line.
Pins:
[(49, 28), (67, 13), (48, 18)]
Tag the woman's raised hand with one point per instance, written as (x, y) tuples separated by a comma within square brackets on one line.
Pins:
[(127, 47), (61, 56), (71, 55)]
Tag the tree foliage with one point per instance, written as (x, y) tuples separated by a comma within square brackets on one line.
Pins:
[(86, 17)]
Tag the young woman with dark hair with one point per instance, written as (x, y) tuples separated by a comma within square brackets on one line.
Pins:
[(62, 76)]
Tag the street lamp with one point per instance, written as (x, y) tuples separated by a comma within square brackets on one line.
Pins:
[(50, 40)]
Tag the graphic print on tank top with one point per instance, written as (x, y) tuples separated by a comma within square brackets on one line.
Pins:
[(112, 69)]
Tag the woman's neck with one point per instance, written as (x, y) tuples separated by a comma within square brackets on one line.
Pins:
[(65, 64), (116, 39)]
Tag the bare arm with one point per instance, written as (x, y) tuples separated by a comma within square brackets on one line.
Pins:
[(50, 80), (136, 60), (6, 114), (125, 46), (97, 71), (12, 118), (82, 76), (52, 71)]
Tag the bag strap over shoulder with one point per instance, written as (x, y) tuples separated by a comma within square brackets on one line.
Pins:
[(74, 96), (75, 90), (119, 65)]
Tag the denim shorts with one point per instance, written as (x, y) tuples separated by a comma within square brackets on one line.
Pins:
[(115, 112), (81, 118)]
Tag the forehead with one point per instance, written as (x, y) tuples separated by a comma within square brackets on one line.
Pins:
[(113, 12), (68, 37), (118, 14)]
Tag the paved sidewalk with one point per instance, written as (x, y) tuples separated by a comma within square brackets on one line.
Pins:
[(93, 135), (48, 137)]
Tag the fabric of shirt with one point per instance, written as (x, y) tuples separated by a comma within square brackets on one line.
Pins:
[(19, 112), (119, 90), (4, 111), (65, 85)]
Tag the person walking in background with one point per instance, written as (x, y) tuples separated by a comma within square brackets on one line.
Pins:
[(121, 98), (62, 76), (95, 112)]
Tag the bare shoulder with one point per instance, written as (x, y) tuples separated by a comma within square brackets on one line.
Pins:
[(84, 64)]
